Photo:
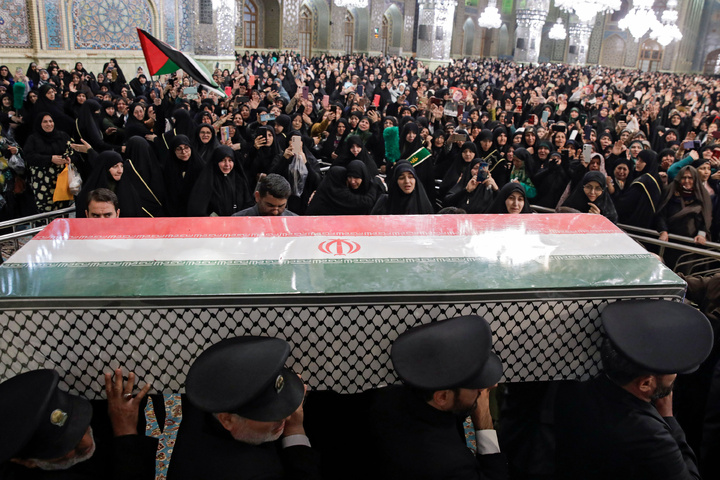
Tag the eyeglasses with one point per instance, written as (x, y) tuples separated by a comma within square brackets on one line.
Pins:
[(182, 148)]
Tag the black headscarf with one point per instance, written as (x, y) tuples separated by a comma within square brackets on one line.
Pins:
[(180, 177), (346, 156), (579, 201), (100, 177), (143, 171), (335, 197), (399, 203), (89, 126), (215, 192), (408, 148), (205, 150), (48, 137), (498, 205)]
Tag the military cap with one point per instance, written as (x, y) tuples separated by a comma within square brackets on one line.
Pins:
[(453, 353), (246, 376), (663, 336), (41, 421)]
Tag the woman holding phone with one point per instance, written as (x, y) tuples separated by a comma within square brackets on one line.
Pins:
[(475, 191)]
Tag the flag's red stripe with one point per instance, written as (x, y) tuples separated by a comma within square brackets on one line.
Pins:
[(420, 225)]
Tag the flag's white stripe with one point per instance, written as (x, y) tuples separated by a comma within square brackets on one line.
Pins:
[(501, 246)]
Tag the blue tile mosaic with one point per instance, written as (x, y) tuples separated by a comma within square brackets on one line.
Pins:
[(169, 14), (53, 24), (110, 24), (14, 30)]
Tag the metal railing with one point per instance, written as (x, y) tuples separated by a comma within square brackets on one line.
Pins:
[(696, 260), (29, 226)]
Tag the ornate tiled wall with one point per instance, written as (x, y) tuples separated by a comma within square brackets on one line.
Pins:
[(593, 56), (290, 24), (631, 53), (54, 30), (217, 38), (109, 24), (409, 23), (377, 10), (337, 33), (14, 25), (613, 51), (186, 20), (169, 18)]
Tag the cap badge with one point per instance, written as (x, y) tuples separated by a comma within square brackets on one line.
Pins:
[(279, 383), (58, 418)]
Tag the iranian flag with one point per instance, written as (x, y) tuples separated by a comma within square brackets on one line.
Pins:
[(162, 59)]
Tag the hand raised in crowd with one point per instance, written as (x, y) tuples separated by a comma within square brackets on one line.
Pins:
[(81, 147), (260, 141), (489, 182), (471, 185), (123, 406)]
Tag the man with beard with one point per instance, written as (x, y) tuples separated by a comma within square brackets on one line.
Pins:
[(416, 429), (244, 415), (620, 425), (47, 433)]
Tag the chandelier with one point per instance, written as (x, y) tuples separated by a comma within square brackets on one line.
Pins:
[(587, 9), (667, 31), (351, 3), (490, 17), (640, 19), (557, 32)]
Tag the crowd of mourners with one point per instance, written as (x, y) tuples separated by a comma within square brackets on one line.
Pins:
[(361, 135)]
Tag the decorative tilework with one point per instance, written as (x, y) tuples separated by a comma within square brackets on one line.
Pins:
[(631, 54), (337, 33), (53, 24), (14, 29), (377, 10), (409, 23), (595, 43), (291, 9), (186, 18), (224, 17), (239, 15), (110, 24), (170, 30), (613, 51), (668, 56)]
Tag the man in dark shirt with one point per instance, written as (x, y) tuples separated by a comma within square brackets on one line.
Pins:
[(271, 197)]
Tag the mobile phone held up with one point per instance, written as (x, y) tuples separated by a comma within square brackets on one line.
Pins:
[(587, 153)]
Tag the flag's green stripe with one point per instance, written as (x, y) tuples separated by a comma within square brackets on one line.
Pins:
[(169, 67), (399, 275)]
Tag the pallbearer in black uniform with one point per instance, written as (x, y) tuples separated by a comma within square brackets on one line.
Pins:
[(620, 425), (416, 431), (244, 415)]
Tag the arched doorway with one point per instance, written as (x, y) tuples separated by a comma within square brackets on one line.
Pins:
[(349, 32), (386, 34), (712, 63), (305, 31), (651, 54), (613, 52), (504, 46), (250, 24), (468, 37)]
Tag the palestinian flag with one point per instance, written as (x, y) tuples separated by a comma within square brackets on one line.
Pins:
[(162, 59), (418, 157)]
